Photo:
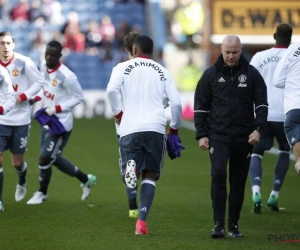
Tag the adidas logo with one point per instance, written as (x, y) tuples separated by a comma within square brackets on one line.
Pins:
[(277, 182), (143, 209), (293, 139), (221, 79)]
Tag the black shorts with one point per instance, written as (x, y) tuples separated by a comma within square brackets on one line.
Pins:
[(272, 130), (292, 126), (146, 149), (14, 138)]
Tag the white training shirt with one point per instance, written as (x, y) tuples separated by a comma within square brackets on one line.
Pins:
[(23, 74), (63, 91), (266, 62), (144, 83), (287, 76), (7, 95)]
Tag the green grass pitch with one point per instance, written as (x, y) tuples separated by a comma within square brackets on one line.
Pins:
[(180, 218)]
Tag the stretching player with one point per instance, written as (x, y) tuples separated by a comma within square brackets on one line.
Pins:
[(61, 93), (15, 125), (266, 62)]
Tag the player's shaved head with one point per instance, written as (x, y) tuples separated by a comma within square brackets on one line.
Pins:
[(284, 30), (52, 54), (231, 40), (144, 45), (55, 44), (283, 35), (231, 50)]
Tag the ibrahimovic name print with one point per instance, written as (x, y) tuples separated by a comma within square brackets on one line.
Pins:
[(145, 64)]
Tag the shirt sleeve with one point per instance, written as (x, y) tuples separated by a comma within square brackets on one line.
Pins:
[(72, 85), (113, 89), (8, 92), (35, 78), (172, 94), (281, 71), (202, 106), (255, 61)]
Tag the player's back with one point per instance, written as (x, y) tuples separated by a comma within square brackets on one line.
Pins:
[(144, 86), (266, 63)]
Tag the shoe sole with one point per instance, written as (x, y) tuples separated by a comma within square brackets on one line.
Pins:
[(217, 236), (44, 199), (94, 182), (130, 174), (235, 235), (257, 208), (139, 233), (273, 207), (17, 200)]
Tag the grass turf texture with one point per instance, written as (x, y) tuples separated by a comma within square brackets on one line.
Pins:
[(180, 218)]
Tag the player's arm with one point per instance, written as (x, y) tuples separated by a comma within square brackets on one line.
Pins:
[(281, 70), (172, 94), (71, 84), (36, 80), (202, 100), (112, 91), (8, 93)]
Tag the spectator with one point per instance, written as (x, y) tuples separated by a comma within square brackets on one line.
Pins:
[(190, 17), (107, 30), (35, 11), (20, 12), (56, 17), (74, 39), (122, 30), (92, 38), (4, 10)]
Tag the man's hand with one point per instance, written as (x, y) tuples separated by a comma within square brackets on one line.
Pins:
[(254, 138), (118, 121), (18, 99), (32, 101), (50, 111), (204, 143)]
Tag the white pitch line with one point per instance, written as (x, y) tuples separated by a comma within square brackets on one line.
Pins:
[(190, 125)]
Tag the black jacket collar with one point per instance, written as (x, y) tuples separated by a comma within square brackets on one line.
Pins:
[(220, 62)]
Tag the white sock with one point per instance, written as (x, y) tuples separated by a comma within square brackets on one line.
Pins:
[(256, 189), (275, 193)]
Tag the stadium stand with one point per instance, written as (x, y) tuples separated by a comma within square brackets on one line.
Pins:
[(92, 70)]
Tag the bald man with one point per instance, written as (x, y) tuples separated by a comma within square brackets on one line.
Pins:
[(230, 112)]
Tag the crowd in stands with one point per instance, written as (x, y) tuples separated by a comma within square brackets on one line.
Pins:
[(87, 28)]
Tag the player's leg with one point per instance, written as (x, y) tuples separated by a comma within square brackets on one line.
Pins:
[(154, 147), (5, 133), (292, 132), (67, 167), (219, 156), (240, 156), (1, 180), (255, 169), (281, 166), (18, 147), (49, 149), (130, 192)]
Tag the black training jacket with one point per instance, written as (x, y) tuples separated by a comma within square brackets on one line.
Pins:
[(229, 103)]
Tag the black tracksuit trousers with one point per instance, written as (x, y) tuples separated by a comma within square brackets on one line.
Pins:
[(237, 155)]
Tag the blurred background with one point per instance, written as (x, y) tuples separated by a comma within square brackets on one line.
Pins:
[(186, 33)]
